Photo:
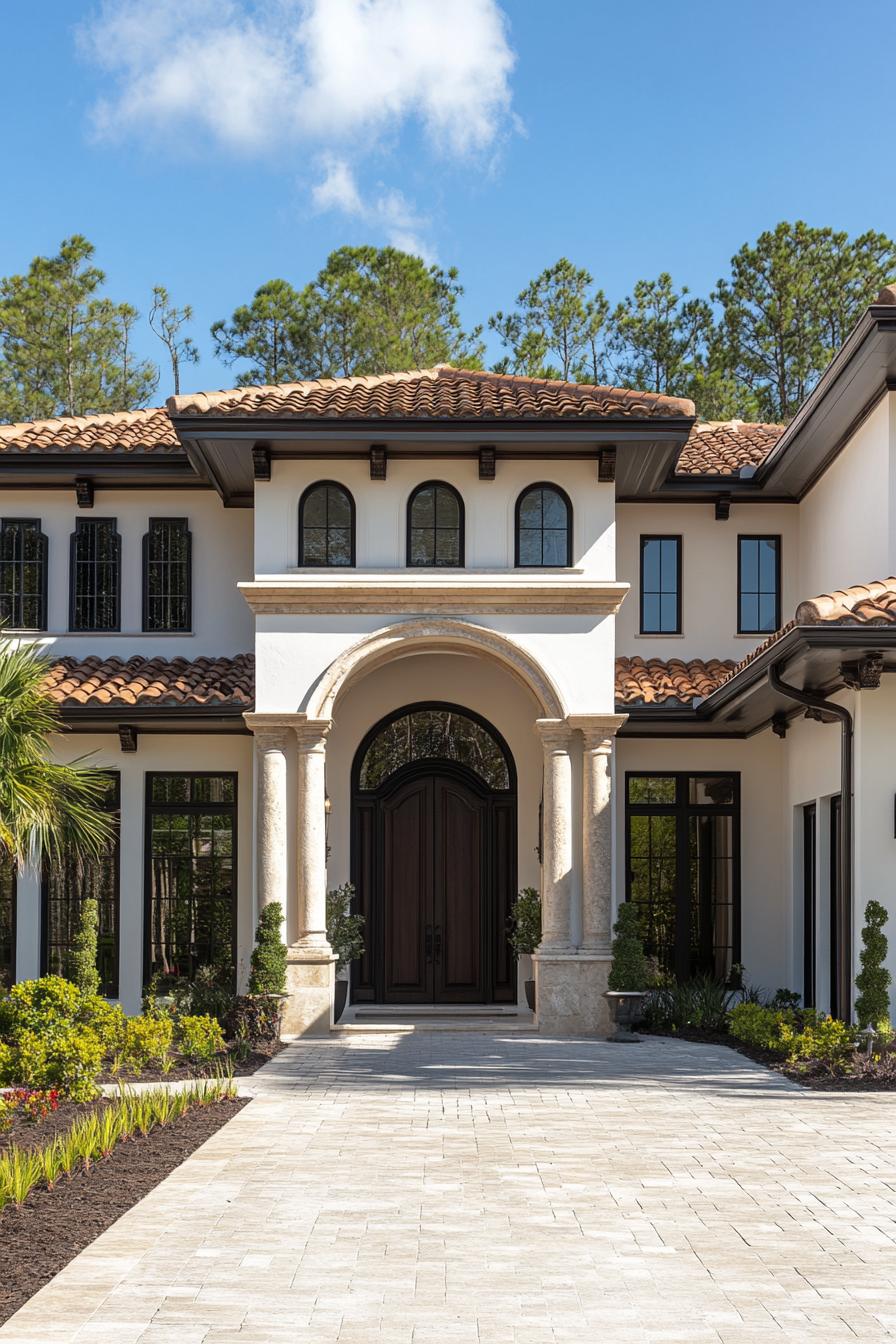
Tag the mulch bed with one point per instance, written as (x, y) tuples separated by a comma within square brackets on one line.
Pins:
[(817, 1079), (52, 1226), (38, 1133), (184, 1069)]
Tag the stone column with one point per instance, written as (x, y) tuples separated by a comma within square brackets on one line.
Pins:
[(556, 842), (597, 831), (271, 878), (310, 963)]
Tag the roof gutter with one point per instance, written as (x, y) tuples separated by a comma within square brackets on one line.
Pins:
[(818, 705)]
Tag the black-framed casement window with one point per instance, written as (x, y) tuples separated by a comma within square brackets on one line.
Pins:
[(543, 527), (661, 585), (95, 575), (23, 574), (683, 869), (837, 1007), (810, 901), (436, 526), (73, 879), (191, 878), (758, 585), (7, 921), (326, 525), (168, 576)]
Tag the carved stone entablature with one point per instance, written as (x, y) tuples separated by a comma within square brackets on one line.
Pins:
[(865, 673)]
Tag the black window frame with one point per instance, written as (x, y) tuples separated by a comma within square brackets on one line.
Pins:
[(42, 560), (461, 525), (187, 628), (810, 901), (758, 536), (82, 527), (149, 810), (682, 810), (111, 806), (558, 490), (10, 969), (836, 1008), (646, 538), (309, 490)]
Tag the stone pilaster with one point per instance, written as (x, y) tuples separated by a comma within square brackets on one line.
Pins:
[(271, 876), (310, 968), (556, 841), (598, 733)]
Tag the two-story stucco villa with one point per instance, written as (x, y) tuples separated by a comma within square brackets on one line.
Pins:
[(447, 634)]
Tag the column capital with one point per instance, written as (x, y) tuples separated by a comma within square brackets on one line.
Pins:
[(311, 734), (270, 723), (554, 733), (597, 729)]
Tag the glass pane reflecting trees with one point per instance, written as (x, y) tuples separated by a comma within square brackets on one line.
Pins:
[(434, 734), (543, 528), (435, 526), (326, 526)]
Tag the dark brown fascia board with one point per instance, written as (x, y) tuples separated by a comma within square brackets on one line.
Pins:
[(194, 428), (161, 718), (58, 470)]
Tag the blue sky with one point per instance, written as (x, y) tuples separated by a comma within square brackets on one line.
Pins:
[(213, 144)]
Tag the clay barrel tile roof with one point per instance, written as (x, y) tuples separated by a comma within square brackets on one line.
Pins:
[(140, 682), (722, 447), (124, 431), (439, 393), (656, 681), (863, 604)]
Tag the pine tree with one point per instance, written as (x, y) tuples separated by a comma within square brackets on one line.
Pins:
[(81, 966), (873, 980), (268, 974)]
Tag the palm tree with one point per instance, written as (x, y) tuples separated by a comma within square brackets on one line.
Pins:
[(45, 808)]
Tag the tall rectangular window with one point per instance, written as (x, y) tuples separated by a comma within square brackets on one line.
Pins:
[(810, 902), (191, 883), (23, 574), (683, 861), (7, 921), (73, 879), (758, 585), (837, 915), (661, 585), (167, 580), (95, 602)]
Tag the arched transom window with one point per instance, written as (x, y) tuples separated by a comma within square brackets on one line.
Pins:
[(436, 526), (543, 527), (436, 733), (326, 525)]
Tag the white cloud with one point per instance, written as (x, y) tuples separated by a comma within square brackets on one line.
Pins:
[(257, 76), (388, 209)]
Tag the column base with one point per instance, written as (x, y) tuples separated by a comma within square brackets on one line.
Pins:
[(310, 981), (569, 992)]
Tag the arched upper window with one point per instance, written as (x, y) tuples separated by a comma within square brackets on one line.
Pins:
[(543, 527), (326, 525), (436, 526), (434, 732)]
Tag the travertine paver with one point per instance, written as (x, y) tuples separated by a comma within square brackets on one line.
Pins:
[(465, 1188)]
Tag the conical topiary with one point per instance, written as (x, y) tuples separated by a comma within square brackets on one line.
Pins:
[(629, 969), (268, 974), (81, 962), (873, 980)]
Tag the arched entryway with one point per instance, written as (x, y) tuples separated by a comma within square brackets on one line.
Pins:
[(434, 804)]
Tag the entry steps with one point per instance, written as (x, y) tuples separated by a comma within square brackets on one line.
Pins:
[(440, 1017)]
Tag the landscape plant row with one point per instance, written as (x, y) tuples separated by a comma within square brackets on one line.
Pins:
[(94, 1136)]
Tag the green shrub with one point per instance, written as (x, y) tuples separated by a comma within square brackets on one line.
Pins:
[(210, 993), (760, 1027), (200, 1038), (268, 974), (873, 980), (38, 1005), (147, 1040), (629, 969), (67, 1060), (6, 1054), (345, 931), (105, 1018), (81, 962), (254, 1020), (700, 1004), (825, 1041), (525, 922)]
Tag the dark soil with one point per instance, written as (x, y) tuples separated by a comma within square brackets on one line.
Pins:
[(184, 1069), (38, 1133), (816, 1077), (52, 1226)]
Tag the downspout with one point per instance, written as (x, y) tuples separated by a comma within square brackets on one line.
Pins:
[(844, 910)]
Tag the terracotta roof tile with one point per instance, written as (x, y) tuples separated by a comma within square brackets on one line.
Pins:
[(140, 682), (145, 431), (656, 681), (439, 393), (722, 447), (863, 604)]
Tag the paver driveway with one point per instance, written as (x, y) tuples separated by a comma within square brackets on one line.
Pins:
[(462, 1188)]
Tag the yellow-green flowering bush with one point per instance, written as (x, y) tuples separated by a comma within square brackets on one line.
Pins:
[(825, 1040), (759, 1027), (200, 1038), (147, 1040), (68, 1059)]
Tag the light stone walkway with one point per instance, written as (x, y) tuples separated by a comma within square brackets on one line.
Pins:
[(467, 1188)]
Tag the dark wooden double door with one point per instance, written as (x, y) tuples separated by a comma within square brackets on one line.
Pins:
[(433, 863)]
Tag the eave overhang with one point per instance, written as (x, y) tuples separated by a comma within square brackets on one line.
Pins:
[(154, 718), (129, 470)]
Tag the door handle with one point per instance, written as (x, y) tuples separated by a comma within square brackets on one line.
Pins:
[(438, 944), (428, 944)]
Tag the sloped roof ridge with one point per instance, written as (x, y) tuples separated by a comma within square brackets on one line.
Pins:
[(145, 426)]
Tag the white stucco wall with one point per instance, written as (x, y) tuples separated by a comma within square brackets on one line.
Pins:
[(168, 752), (875, 818), (222, 556), (709, 575)]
